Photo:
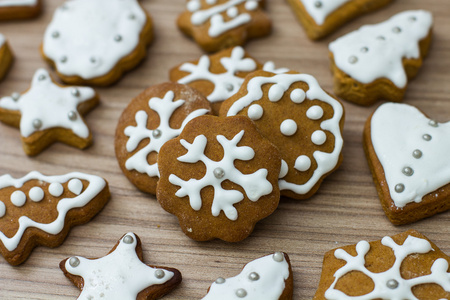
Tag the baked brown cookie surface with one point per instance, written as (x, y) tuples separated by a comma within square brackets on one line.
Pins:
[(19, 9), (6, 57)]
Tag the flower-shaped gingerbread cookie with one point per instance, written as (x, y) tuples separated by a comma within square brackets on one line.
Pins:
[(6, 57), (48, 112), (219, 24), (121, 274), (93, 42), (301, 119), (408, 155), (219, 177), (154, 117)]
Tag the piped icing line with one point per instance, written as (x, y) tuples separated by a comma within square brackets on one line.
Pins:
[(120, 275), (325, 161), (95, 186), (319, 10), (413, 151), (88, 38), (18, 3), (377, 51), (47, 105)]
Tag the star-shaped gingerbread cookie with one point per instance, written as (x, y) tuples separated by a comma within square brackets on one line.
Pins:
[(121, 274), (48, 112)]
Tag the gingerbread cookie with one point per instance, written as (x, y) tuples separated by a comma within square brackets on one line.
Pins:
[(219, 177), (219, 24), (408, 155), (322, 17), (404, 266), (302, 120), (376, 61), (157, 115), (19, 9), (40, 210), (269, 278), (121, 274), (95, 42), (6, 57), (48, 112)]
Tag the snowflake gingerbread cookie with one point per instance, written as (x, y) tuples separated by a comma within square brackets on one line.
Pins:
[(6, 57), (301, 119), (269, 278), (406, 266), (120, 275), (94, 42), (40, 210), (376, 61), (219, 24), (219, 177), (48, 112), (408, 155), (154, 117), (19, 9)]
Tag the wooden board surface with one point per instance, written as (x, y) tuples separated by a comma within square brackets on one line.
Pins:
[(345, 210)]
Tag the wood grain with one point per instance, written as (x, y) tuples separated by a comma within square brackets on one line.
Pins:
[(345, 210)]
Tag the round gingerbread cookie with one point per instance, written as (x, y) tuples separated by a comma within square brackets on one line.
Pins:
[(155, 116), (219, 177), (300, 119)]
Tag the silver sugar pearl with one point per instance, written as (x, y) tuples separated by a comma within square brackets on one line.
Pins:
[(241, 293), (392, 284), (156, 133), (128, 239), (118, 38), (93, 60), (15, 96), (55, 34), (253, 276), (159, 274), (318, 4), (74, 262), (64, 6), (75, 92), (41, 77), (364, 49), (407, 171), (412, 19), (220, 280), (131, 17), (381, 38), (72, 115), (229, 87), (399, 188), (219, 173), (433, 123), (63, 59), (396, 29), (417, 153), (426, 137), (37, 123), (278, 256), (353, 59)]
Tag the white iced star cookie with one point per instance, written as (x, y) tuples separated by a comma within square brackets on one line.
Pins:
[(48, 112), (19, 9), (6, 57), (120, 275), (93, 42)]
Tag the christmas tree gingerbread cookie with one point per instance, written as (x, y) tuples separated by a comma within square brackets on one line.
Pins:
[(121, 274), (269, 278), (404, 266), (408, 156), (19, 9), (40, 210), (376, 61), (154, 117), (302, 120), (48, 112), (322, 17), (219, 24), (219, 177), (94, 42), (6, 57)]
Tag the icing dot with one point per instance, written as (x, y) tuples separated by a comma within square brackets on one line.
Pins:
[(392, 284), (318, 137), (241, 293), (288, 127), (302, 163), (56, 189), (2, 209), (318, 4), (74, 262), (278, 256), (15, 96), (353, 59), (255, 112), (36, 194), (408, 171), (315, 112), (253, 276), (75, 186), (433, 123), (364, 49), (219, 173), (156, 133), (251, 5), (75, 92), (193, 6), (399, 188), (233, 12), (426, 137), (284, 169), (298, 96), (396, 29), (417, 153), (220, 280), (18, 198), (128, 239), (211, 2), (37, 123), (72, 115), (276, 92), (159, 274), (118, 38)]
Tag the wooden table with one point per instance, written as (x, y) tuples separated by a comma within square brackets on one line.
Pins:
[(344, 211)]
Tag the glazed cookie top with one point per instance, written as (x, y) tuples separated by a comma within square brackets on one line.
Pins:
[(413, 151), (88, 38), (320, 9), (18, 2), (377, 51), (2, 40)]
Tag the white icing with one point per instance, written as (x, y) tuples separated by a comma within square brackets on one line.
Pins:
[(325, 161), (276, 92), (87, 30), (96, 185), (55, 189), (2, 209), (377, 51), (315, 112), (288, 127), (18, 3), (2, 40), (284, 169), (164, 108), (49, 103), (396, 131), (255, 185), (18, 198), (411, 246), (318, 137), (120, 275), (319, 12), (255, 112), (75, 186), (302, 163), (237, 62), (36, 194), (269, 66), (269, 286)]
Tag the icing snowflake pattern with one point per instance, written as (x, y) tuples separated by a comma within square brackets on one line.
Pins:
[(390, 284), (165, 107), (255, 185)]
